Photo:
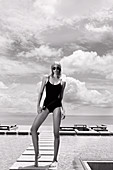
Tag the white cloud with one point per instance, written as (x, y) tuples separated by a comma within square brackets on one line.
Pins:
[(12, 67), (110, 76), (88, 62), (104, 15), (80, 7), (19, 98), (5, 43), (42, 52), (23, 97), (101, 29), (45, 6), (5, 101), (77, 92), (24, 23), (2, 85)]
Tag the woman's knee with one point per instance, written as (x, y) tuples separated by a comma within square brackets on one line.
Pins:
[(56, 135), (33, 129)]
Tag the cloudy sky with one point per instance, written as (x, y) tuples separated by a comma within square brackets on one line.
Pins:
[(78, 33)]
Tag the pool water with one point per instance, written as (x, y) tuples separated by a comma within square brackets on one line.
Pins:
[(101, 165)]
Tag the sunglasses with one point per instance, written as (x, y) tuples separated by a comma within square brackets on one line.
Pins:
[(56, 68)]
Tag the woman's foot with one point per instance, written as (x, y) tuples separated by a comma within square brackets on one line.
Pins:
[(36, 160), (36, 164), (53, 164)]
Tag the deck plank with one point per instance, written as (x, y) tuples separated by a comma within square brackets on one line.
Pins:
[(31, 158), (42, 152), (29, 166), (41, 148), (45, 144)]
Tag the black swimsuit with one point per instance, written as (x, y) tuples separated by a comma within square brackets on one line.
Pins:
[(52, 99)]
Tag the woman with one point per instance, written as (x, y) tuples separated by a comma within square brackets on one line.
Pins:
[(54, 86)]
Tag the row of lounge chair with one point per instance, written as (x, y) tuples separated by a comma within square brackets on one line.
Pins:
[(81, 127), (78, 129), (7, 127)]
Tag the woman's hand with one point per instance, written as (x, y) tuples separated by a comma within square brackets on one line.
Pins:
[(39, 109), (63, 114)]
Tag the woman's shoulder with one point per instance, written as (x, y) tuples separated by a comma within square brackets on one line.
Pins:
[(63, 78), (45, 77)]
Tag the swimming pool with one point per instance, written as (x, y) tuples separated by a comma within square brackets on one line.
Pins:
[(98, 165)]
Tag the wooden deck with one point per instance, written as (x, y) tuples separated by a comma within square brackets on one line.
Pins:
[(46, 149)]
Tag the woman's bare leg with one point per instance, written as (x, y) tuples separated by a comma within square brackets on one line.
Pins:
[(56, 126), (36, 124)]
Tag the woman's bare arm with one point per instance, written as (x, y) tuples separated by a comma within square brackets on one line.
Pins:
[(44, 80), (62, 90), (62, 94)]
